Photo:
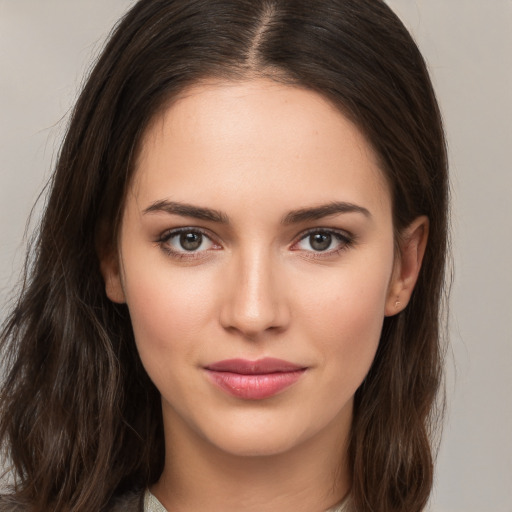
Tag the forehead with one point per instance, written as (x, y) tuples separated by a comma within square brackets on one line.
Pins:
[(258, 138)]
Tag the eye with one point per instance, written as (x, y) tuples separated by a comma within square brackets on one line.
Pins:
[(323, 241), (186, 241)]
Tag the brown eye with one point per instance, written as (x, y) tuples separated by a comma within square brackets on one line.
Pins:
[(320, 241), (187, 241), (323, 241), (191, 241)]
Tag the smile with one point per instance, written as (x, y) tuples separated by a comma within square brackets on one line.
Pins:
[(254, 380)]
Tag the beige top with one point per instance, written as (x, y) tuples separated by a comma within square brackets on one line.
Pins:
[(151, 504)]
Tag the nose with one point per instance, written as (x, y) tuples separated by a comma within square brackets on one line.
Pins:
[(254, 297)]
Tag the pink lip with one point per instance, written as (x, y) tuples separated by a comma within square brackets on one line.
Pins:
[(254, 380)]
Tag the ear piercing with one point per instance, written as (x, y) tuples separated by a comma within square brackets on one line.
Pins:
[(398, 304)]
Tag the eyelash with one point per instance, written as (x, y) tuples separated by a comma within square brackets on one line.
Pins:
[(345, 239), (164, 239)]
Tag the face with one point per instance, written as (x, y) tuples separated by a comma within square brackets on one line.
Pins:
[(256, 257)]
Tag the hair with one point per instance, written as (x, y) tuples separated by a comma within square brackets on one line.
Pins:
[(81, 421)]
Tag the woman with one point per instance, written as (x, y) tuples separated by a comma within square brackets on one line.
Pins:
[(234, 299)]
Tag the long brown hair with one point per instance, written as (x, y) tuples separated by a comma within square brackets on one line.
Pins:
[(80, 419)]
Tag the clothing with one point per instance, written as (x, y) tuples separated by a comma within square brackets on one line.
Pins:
[(133, 502), (151, 504)]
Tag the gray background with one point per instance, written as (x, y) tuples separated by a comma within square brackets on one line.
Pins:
[(47, 45)]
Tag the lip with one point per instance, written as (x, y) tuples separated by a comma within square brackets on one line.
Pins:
[(254, 380)]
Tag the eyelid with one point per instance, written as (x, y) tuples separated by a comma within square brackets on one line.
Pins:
[(169, 233), (164, 238), (346, 239)]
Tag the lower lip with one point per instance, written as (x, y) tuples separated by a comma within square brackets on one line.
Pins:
[(254, 387)]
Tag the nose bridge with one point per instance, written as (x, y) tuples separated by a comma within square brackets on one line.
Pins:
[(255, 302)]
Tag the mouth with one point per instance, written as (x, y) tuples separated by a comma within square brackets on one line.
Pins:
[(254, 380)]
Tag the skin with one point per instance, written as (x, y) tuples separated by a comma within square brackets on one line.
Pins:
[(257, 287)]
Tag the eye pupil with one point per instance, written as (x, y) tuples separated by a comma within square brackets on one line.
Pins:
[(320, 241), (191, 241)]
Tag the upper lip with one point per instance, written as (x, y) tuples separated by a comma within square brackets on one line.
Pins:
[(258, 367)]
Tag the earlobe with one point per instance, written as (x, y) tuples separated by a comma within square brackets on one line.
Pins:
[(110, 270), (413, 243)]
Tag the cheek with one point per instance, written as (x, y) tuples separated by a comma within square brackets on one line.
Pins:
[(349, 333), (167, 309), (345, 314)]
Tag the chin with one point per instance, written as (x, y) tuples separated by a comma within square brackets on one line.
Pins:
[(267, 434), (262, 445)]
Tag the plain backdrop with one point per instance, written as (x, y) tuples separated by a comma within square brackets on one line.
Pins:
[(46, 46)]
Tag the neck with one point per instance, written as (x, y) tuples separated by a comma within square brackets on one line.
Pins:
[(200, 476)]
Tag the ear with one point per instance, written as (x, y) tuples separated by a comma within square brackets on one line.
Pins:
[(111, 271), (412, 244)]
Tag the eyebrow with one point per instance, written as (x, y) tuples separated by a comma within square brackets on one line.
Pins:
[(187, 210), (293, 217), (321, 211)]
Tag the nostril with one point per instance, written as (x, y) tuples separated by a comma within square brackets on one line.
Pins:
[(254, 301), (253, 323)]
